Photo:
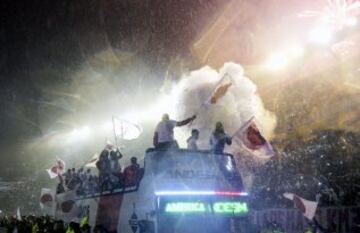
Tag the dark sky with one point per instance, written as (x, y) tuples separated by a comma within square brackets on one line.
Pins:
[(46, 44), (55, 38)]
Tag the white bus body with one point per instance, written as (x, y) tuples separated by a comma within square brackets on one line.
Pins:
[(181, 191)]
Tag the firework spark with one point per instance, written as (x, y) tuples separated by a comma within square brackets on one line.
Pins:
[(337, 13)]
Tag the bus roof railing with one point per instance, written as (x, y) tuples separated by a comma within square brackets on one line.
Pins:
[(182, 150)]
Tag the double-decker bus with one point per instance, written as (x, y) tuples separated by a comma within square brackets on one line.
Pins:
[(180, 191)]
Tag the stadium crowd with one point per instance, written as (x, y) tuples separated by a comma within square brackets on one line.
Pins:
[(46, 224)]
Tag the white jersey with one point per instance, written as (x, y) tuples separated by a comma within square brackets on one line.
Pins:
[(165, 131)]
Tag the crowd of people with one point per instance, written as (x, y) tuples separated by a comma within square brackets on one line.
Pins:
[(164, 135), (110, 175), (40, 224), (46, 224)]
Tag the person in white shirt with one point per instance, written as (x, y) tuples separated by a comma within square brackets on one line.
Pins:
[(164, 132), (192, 140)]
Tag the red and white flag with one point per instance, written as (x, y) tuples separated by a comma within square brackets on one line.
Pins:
[(220, 90), (66, 206), (249, 137), (57, 169), (307, 208), (47, 201)]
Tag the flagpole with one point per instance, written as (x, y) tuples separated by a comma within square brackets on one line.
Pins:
[(113, 122), (203, 104), (243, 126), (216, 86)]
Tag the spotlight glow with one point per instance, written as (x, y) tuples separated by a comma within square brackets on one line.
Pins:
[(351, 22), (107, 125), (296, 51), (321, 35), (277, 61), (80, 133)]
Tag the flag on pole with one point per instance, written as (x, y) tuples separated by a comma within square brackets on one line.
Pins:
[(57, 169), (307, 208), (18, 214), (92, 162), (47, 201), (66, 206), (220, 90), (249, 137), (126, 130)]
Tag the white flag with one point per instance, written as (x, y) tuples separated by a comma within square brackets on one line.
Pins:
[(307, 208), (126, 130), (18, 214), (57, 169), (47, 201), (66, 206)]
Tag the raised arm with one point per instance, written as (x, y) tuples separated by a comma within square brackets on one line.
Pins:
[(186, 121)]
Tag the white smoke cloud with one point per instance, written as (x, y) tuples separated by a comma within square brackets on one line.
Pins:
[(239, 104)]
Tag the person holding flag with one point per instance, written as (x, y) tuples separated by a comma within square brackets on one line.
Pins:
[(219, 138)]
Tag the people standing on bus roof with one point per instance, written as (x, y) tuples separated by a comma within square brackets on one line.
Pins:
[(132, 173), (103, 164), (192, 140), (164, 132), (115, 156), (219, 138)]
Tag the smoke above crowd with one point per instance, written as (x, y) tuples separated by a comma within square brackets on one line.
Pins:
[(239, 104)]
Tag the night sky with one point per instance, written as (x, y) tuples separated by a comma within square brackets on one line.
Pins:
[(46, 44)]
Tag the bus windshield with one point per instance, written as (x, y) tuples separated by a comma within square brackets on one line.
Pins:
[(181, 170)]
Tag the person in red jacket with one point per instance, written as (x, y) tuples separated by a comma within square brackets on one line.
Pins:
[(132, 173)]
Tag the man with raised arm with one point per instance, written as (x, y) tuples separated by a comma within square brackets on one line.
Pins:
[(164, 132)]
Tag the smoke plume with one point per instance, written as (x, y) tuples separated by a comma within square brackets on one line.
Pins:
[(240, 103)]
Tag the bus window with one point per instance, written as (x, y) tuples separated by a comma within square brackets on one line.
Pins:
[(192, 170)]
